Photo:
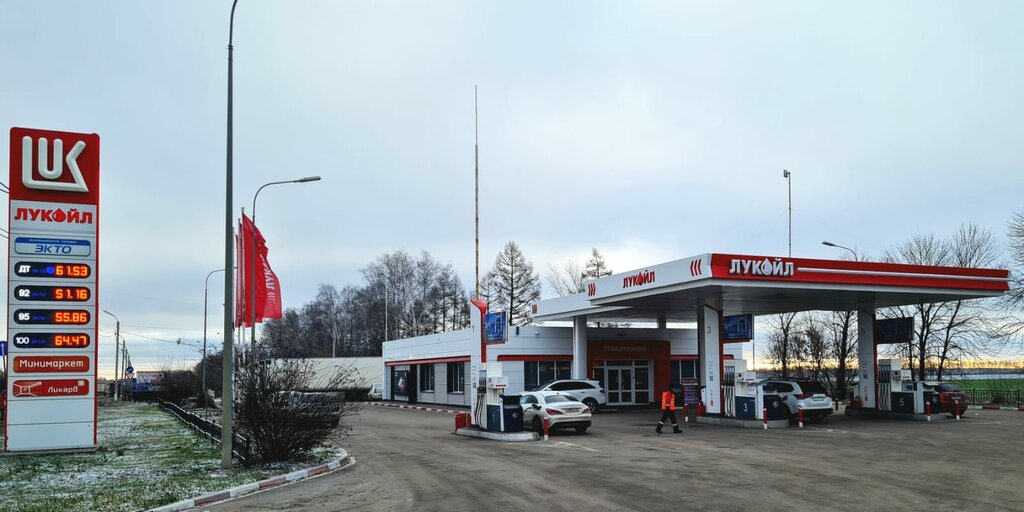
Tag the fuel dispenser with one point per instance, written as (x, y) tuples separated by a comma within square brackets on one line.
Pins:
[(745, 401), (890, 383), (729, 387), (504, 414)]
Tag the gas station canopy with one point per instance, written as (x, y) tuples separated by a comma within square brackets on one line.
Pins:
[(764, 285)]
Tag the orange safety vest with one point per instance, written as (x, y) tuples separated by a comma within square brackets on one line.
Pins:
[(668, 401)]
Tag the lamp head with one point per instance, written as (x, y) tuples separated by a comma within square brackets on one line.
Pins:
[(785, 173), (830, 244), (308, 178)]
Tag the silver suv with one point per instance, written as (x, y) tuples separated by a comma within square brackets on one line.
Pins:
[(587, 391), (808, 395)]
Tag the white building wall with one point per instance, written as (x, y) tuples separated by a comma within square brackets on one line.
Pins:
[(523, 341)]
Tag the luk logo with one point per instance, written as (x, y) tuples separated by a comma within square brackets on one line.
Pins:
[(591, 289), (50, 176)]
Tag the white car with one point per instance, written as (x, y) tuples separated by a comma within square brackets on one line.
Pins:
[(376, 392), (587, 391), (808, 395), (562, 411)]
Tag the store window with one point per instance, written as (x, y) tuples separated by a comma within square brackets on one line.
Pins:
[(684, 371), (427, 378), (457, 378), (540, 372)]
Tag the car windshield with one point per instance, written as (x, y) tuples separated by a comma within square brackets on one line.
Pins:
[(812, 387), (554, 399), (949, 388)]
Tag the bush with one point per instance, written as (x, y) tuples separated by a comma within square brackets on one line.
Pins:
[(281, 418), (180, 385)]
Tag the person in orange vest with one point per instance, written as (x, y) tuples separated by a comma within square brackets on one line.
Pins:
[(668, 411)]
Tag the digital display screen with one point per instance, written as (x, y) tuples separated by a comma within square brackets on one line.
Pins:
[(53, 293), (51, 316), (50, 269), (51, 340)]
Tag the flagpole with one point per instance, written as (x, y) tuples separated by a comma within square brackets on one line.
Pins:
[(476, 183)]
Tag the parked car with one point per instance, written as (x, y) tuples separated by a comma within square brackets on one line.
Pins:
[(318, 407), (562, 411), (949, 396), (808, 395), (376, 392), (587, 391)]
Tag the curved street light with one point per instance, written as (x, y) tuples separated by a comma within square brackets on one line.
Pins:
[(252, 285), (830, 244)]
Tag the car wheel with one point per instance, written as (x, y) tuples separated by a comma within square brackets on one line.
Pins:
[(590, 402), (538, 427), (581, 430)]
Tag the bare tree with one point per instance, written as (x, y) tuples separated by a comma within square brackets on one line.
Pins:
[(567, 280), (919, 250), (816, 349), (840, 328), (1012, 328), (785, 345), (945, 332)]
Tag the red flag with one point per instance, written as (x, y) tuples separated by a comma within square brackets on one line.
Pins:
[(268, 288)]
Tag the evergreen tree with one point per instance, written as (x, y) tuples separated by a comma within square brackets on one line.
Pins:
[(596, 267), (513, 285)]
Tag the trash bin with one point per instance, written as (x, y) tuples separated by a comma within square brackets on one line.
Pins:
[(493, 418), (512, 413)]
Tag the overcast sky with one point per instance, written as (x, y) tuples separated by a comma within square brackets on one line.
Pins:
[(652, 131)]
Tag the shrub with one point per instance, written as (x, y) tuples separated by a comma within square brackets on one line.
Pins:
[(281, 417)]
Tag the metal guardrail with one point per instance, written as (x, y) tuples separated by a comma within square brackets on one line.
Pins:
[(996, 396), (240, 446)]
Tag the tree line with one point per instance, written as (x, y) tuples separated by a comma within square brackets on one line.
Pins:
[(822, 345)]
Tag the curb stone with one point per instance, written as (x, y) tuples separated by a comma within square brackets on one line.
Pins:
[(343, 461), (415, 407)]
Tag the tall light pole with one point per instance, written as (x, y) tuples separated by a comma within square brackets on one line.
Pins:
[(117, 351), (789, 181), (227, 395), (830, 244), (252, 248), (206, 294)]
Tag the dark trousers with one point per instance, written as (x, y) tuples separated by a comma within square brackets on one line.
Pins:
[(668, 414)]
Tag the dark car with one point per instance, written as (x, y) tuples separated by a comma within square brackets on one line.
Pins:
[(317, 407), (952, 399)]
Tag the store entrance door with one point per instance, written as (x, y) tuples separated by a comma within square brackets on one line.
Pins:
[(620, 386)]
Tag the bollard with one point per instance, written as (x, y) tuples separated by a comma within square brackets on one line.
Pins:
[(928, 410), (800, 416), (545, 429), (764, 414), (686, 413), (956, 408)]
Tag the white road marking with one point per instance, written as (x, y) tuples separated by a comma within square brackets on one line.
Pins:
[(572, 445)]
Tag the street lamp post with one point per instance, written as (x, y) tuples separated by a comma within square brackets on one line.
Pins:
[(252, 282), (229, 282), (206, 294), (117, 351), (830, 244), (789, 182)]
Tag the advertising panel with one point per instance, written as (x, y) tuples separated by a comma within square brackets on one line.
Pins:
[(52, 288)]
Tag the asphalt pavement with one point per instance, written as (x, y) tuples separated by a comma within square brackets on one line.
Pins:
[(411, 461)]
